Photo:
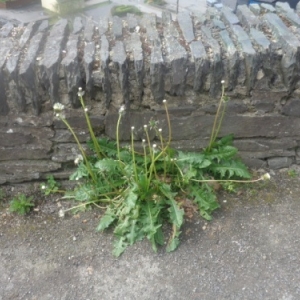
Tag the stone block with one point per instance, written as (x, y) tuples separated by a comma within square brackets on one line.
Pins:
[(292, 17), (283, 7), (89, 30), (280, 162), (201, 62), (27, 79), (26, 170), (290, 47), (247, 18), (77, 25), (103, 26), (6, 30), (228, 17), (177, 62), (43, 26), (216, 65), (132, 22), (157, 84), (105, 74), (88, 63), (28, 33), (292, 108), (51, 57), (117, 27), (136, 48), (255, 8), (119, 59), (218, 24), (186, 26), (266, 8), (71, 69), (149, 23), (231, 60), (251, 59)]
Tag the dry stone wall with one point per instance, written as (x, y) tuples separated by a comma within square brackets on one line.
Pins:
[(139, 62)]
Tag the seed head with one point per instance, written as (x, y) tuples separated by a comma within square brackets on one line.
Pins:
[(80, 92), (122, 109), (266, 176), (58, 107), (61, 213)]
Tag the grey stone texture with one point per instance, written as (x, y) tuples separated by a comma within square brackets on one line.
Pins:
[(139, 62)]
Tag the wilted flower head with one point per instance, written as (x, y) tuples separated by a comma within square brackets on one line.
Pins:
[(58, 107), (266, 176), (80, 92), (61, 213), (122, 110), (78, 159)]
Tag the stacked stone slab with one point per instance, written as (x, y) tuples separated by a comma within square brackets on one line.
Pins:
[(139, 61)]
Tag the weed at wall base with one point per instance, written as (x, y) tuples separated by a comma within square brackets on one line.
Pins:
[(142, 191)]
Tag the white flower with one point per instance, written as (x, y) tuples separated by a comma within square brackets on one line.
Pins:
[(154, 146), (143, 141), (122, 110), (159, 130), (86, 109), (43, 187), (80, 92), (223, 81), (164, 101), (266, 176), (145, 127), (58, 107), (78, 159), (61, 213), (132, 128)]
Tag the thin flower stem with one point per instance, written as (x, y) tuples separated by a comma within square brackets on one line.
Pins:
[(133, 156), (169, 125), (117, 136), (88, 121), (213, 132), (240, 181), (80, 148)]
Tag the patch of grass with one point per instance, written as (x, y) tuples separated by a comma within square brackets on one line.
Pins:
[(21, 204), (123, 10)]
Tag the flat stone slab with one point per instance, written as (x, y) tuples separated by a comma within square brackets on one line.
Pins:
[(247, 17), (228, 16), (117, 27), (89, 30), (77, 25), (186, 26), (28, 33), (103, 26), (53, 47)]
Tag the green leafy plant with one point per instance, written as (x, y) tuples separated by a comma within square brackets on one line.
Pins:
[(292, 173), (142, 188), (123, 10), (21, 204), (51, 186)]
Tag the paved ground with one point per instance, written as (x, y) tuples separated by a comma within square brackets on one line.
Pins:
[(249, 251)]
